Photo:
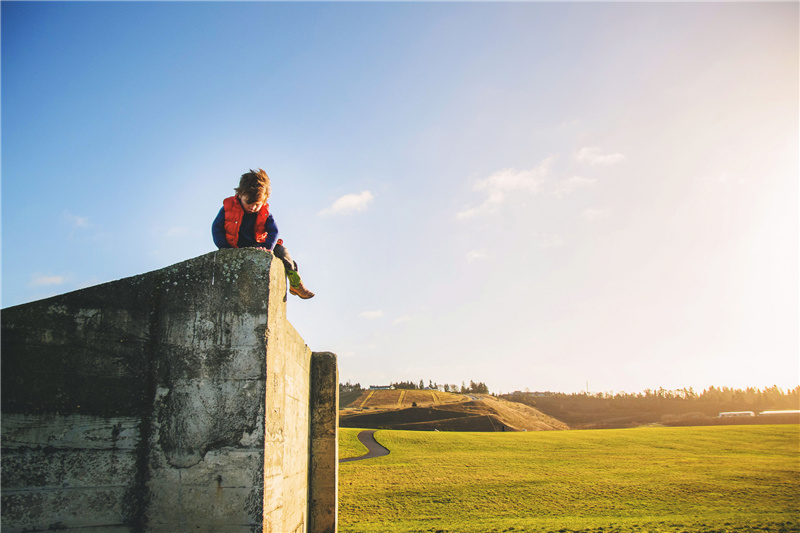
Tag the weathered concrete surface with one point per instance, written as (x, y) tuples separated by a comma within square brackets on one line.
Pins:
[(172, 401), (285, 474), (323, 493)]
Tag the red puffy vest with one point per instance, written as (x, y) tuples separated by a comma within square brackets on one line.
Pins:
[(233, 220)]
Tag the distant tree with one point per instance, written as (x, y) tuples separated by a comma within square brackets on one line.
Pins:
[(446, 387), (478, 388), (421, 384), (349, 387)]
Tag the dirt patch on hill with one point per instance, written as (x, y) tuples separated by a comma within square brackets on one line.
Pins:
[(398, 399), (456, 413)]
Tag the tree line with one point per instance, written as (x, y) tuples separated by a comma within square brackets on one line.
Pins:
[(710, 401), (751, 396), (473, 387), (659, 405)]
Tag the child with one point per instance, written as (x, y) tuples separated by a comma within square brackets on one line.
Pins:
[(245, 221)]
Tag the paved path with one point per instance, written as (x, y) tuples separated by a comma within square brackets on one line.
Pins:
[(375, 450)]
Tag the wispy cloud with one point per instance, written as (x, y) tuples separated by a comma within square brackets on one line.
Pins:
[(474, 255), (595, 156), (723, 178), (41, 280), (550, 241), (571, 185), (371, 315), (348, 204), (401, 320), (596, 213), (503, 183), (77, 222)]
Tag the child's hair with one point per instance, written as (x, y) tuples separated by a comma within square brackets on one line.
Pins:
[(253, 186)]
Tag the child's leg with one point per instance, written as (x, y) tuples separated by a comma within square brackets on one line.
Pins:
[(282, 253), (295, 283)]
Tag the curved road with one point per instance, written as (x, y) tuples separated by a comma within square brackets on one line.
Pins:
[(367, 438)]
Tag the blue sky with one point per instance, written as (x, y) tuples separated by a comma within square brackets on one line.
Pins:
[(533, 195)]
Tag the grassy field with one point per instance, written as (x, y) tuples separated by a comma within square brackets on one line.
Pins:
[(735, 478)]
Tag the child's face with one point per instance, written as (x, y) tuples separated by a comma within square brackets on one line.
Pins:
[(250, 208)]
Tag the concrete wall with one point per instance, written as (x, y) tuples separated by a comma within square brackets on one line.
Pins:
[(177, 400)]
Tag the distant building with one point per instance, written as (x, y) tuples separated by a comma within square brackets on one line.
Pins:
[(381, 387), (733, 414), (783, 412)]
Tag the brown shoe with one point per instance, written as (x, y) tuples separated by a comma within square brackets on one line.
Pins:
[(301, 291)]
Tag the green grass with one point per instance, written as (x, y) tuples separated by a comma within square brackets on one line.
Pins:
[(731, 478)]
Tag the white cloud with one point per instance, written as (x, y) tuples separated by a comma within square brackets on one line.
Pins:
[(348, 204), (401, 319), (551, 241), (77, 222), (499, 185), (596, 213), (40, 280), (723, 178), (474, 255), (571, 185), (594, 156), (371, 315)]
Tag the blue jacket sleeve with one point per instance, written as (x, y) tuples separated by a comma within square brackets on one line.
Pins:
[(272, 233), (218, 230)]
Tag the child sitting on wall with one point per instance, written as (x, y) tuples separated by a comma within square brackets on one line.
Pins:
[(245, 222)]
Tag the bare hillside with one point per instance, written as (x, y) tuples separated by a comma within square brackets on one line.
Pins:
[(400, 399), (434, 410)]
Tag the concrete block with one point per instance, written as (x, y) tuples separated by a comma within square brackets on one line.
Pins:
[(324, 459), (177, 400)]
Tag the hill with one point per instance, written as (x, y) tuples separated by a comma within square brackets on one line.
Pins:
[(348, 397), (397, 399), (426, 410)]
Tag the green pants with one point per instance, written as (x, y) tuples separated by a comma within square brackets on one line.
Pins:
[(282, 253)]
